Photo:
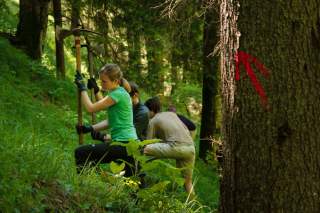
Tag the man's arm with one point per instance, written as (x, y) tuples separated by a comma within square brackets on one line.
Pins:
[(188, 123), (151, 133)]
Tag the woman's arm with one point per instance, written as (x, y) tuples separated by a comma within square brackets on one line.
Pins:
[(91, 107), (100, 126), (97, 106)]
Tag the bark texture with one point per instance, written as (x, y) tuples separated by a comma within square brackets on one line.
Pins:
[(32, 26), (155, 66), (61, 74), (134, 47), (272, 161)]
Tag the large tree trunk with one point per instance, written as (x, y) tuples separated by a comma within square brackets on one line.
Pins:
[(209, 88), (60, 66), (32, 26), (272, 161)]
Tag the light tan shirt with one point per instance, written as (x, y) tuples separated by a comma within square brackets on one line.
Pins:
[(169, 128)]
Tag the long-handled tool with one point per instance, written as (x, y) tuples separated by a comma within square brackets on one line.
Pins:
[(78, 68)]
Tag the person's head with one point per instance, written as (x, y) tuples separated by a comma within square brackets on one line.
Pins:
[(153, 105), (110, 76), (134, 94), (172, 108)]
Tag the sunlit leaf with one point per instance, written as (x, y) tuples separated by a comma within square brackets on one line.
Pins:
[(116, 168)]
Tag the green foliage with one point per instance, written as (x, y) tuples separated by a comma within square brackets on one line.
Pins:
[(209, 183), (8, 16), (187, 99), (116, 168)]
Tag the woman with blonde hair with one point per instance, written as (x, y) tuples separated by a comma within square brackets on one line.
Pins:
[(120, 121)]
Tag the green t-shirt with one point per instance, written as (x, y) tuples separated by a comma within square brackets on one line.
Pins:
[(120, 116)]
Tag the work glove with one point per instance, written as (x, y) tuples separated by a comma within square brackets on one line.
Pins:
[(79, 81), (92, 84), (98, 136), (83, 128)]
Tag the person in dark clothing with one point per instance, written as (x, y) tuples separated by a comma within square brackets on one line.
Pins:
[(140, 112), (189, 124)]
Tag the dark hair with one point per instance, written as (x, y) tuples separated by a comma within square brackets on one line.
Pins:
[(112, 71), (134, 88), (172, 108), (153, 104)]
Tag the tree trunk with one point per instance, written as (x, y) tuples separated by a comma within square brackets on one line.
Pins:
[(32, 26), (209, 88), (75, 14), (91, 74), (174, 70), (154, 66), (272, 161), (61, 74), (134, 47)]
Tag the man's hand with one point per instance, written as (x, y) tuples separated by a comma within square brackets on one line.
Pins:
[(78, 80), (92, 84), (83, 128)]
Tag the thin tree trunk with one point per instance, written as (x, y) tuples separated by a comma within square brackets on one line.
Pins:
[(272, 161), (209, 88), (60, 65), (174, 71), (91, 74), (154, 66), (134, 48), (32, 26), (75, 14)]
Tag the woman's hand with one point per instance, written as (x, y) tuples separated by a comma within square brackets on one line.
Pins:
[(84, 128), (79, 81), (92, 84)]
